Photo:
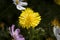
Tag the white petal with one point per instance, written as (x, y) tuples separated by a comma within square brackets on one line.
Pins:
[(14, 1), (54, 30), (20, 7), (23, 3)]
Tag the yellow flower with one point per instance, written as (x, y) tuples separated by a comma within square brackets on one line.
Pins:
[(28, 18), (49, 38), (57, 2)]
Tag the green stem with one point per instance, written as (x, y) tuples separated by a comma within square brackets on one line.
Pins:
[(31, 35)]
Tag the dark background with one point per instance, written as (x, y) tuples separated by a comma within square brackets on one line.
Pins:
[(48, 10)]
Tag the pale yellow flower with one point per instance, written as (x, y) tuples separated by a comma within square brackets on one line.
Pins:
[(57, 2), (28, 18)]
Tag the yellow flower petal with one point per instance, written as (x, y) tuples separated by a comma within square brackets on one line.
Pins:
[(28, 18)]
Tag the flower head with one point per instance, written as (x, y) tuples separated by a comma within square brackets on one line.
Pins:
[(19, 4), (57, 2), (29, 18), (15, 34)]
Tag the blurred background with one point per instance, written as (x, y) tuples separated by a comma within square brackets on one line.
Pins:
[(48, 9)]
